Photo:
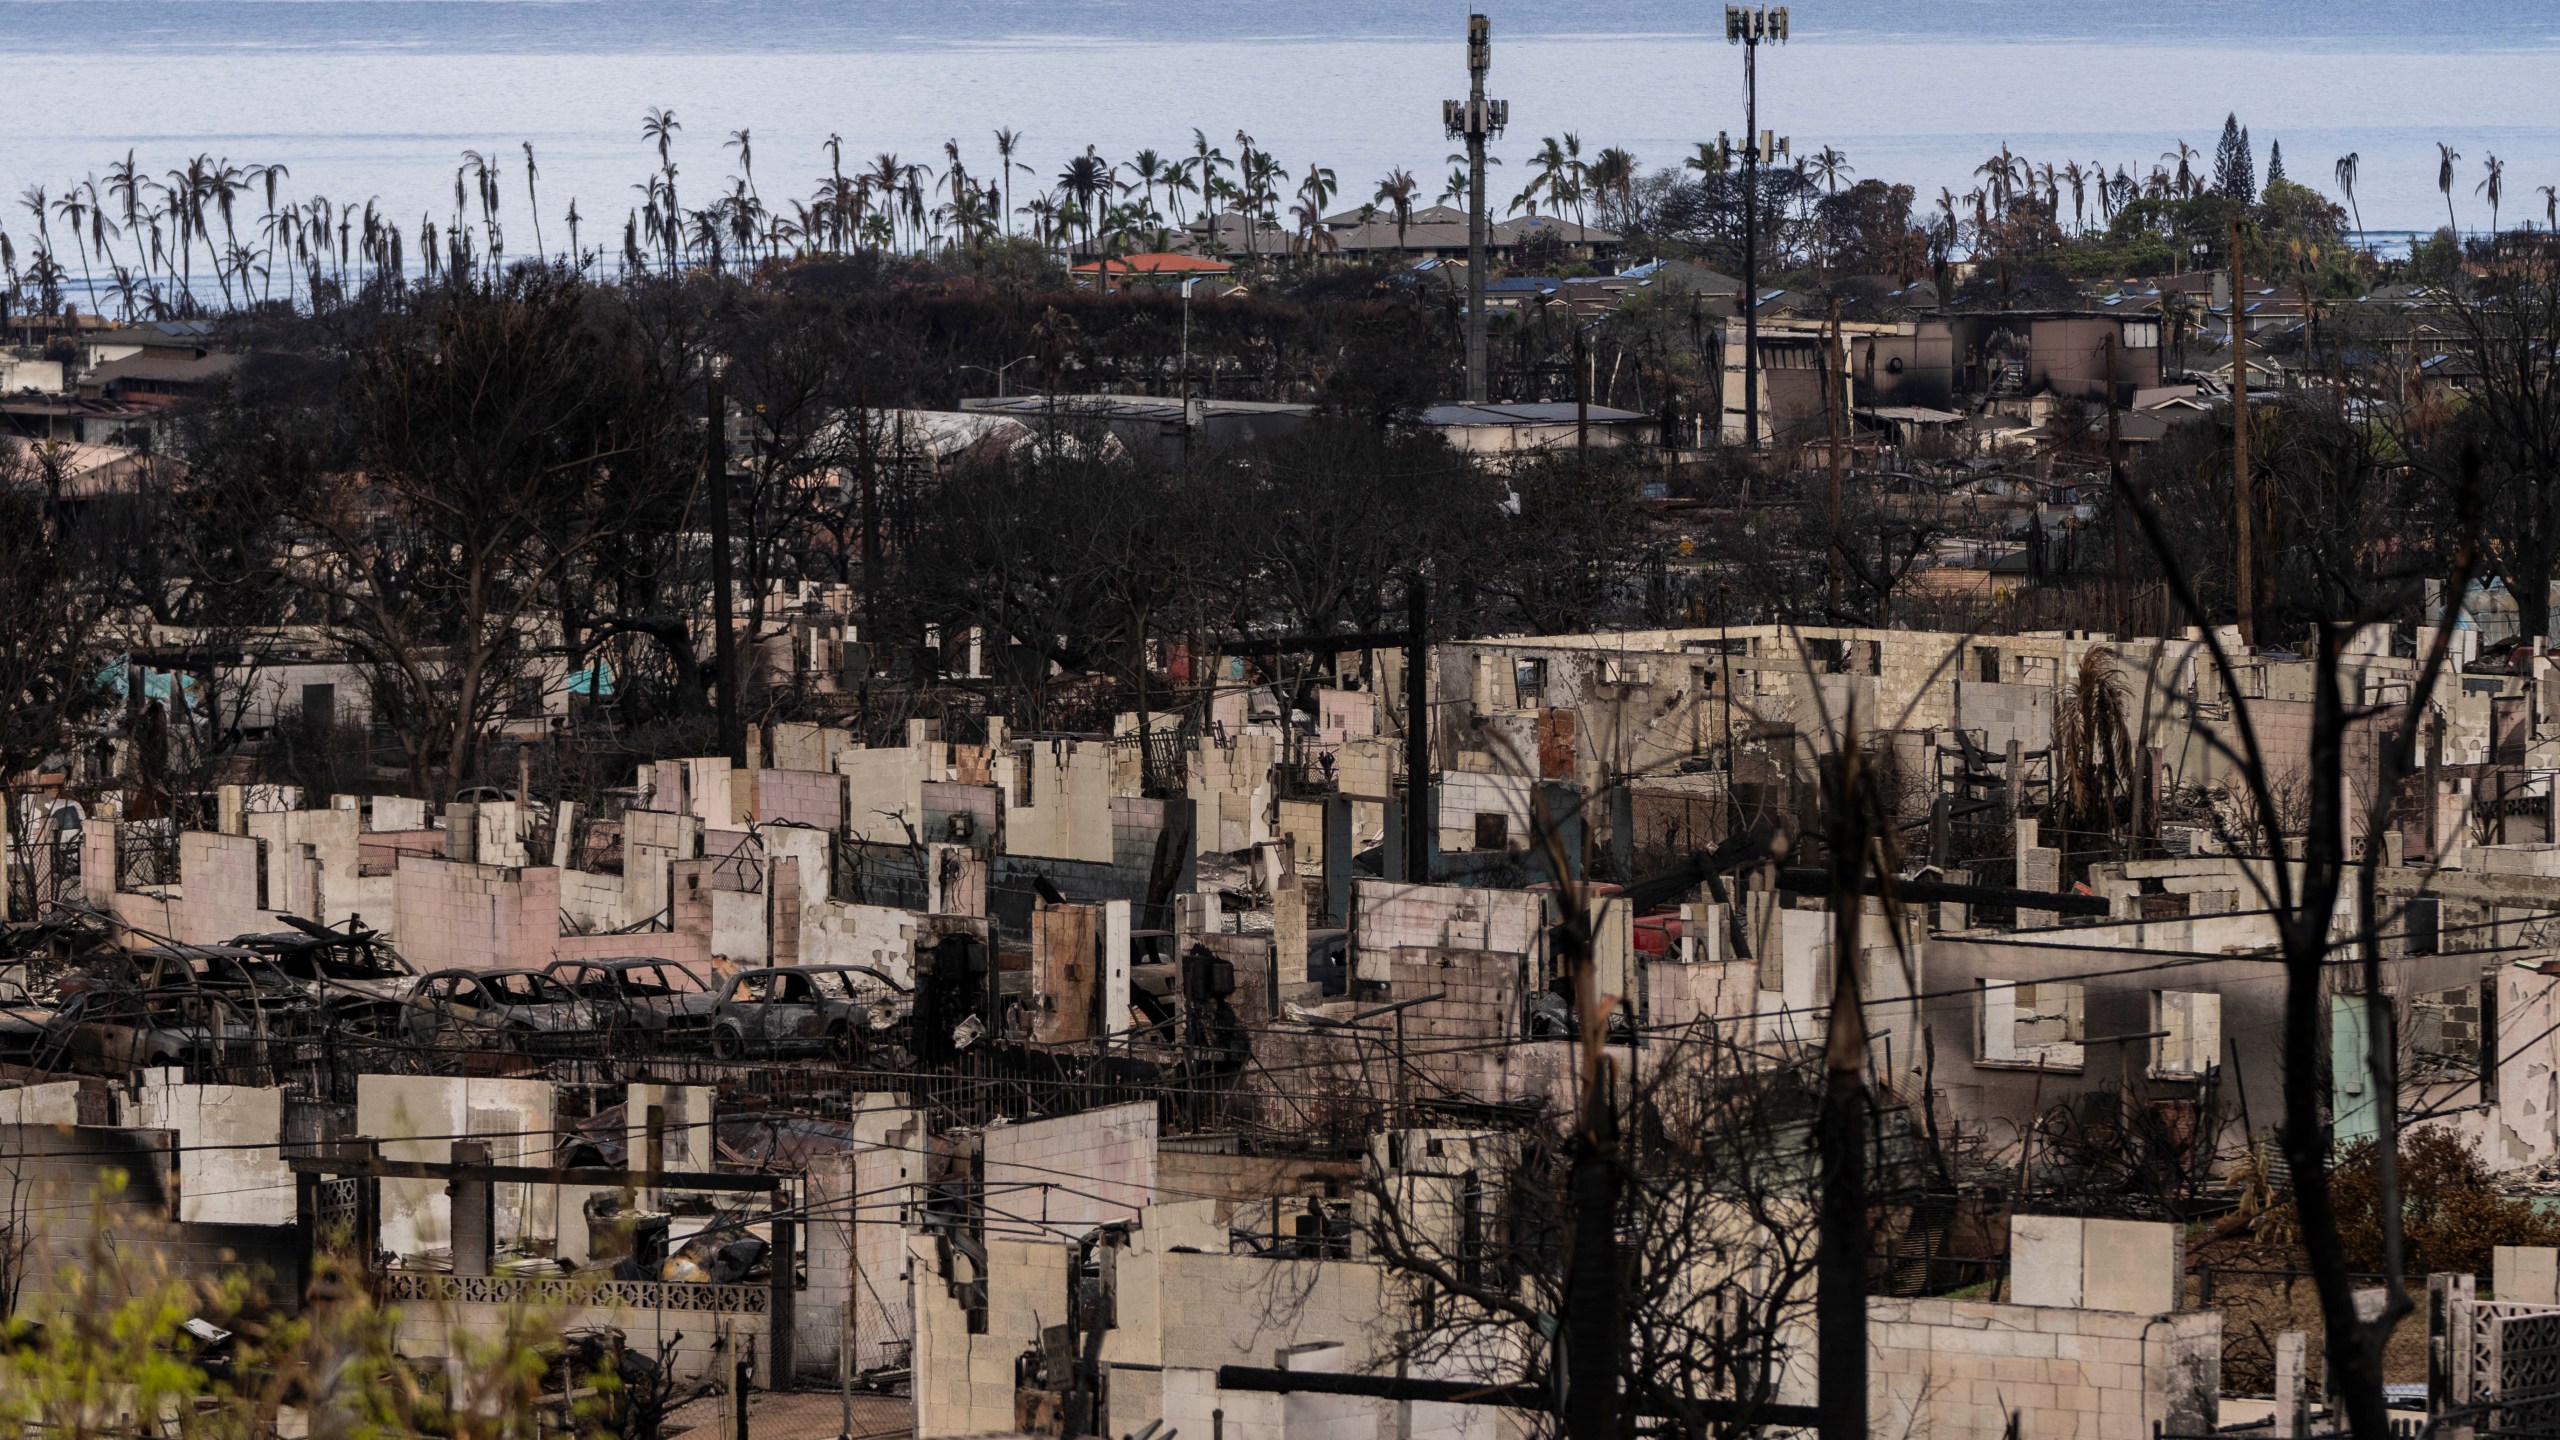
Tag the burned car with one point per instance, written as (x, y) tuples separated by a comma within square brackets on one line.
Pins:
[(359, 983), (843, 1010), (28, 1016), (639, 1003), (175, 1005), (514, 1009)]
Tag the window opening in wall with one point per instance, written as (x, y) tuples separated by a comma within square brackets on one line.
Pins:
[(1493, 830), (2489, 1056), (1022, 780), (1986, 660), (266, 895), (2192, 1040), (1529, 684), (2452, 1035), (2032, 1024), (2422, 924)]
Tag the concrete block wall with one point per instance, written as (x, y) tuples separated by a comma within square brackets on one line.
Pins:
[(1068, 814), (396, 813), (1137, 827), (963, 1381), (884, 792), (56, 1175), (55, 1102), (1956, 1370), (1067, 1174), (98, 860), (2131, 1266), (689, 950), (798, 745), (1466, 794), (652, 844), (1219, 1309), (455, 914), (858, 1243), (217, 897), (1389, 916), (739, 931), (2004, 712), (1258, 997), (230, 1169), (499, 833), (1480, 993), (322, 885), (594, 901), (418, 1117), (464, 1333), (1301, 823), (1230, 789), (798, 797), (1677, 994), (982, 806), (2525, 1274), (879, 936)]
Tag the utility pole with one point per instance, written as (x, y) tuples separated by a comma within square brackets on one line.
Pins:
[(1594, 1338), (1474, 120), (1186, 351), (724, 616), (1581, 399), (2115, 478), (1747, 26), (1418, 818), (2244, 539), (1840, 1257), (1833, 384)]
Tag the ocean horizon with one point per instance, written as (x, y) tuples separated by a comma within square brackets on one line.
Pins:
[(376, 100)]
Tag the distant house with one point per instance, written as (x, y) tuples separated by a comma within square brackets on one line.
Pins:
[(1156, 267), (1931, 362), (1435, 232), (1510, 430), (160, 337), (88, 472), (1679, 275), (162, 375), (77, 419), (1157, 424)]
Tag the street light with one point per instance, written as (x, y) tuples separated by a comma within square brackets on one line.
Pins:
[(998, 371), (1748, 27), (1473, 120)]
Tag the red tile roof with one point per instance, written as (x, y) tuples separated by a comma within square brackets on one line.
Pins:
[(1158, 262)]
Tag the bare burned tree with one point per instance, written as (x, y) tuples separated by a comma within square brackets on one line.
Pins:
[(490, 434), (52, 610), (2508, 427), (2341, 506), (1718, 1244)]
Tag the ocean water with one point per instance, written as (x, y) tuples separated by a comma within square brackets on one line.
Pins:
[(377, 99)]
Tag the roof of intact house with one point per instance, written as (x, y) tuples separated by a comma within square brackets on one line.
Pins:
[(1127, 407), (1155, 262), (167, 368), (1546, 412)]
